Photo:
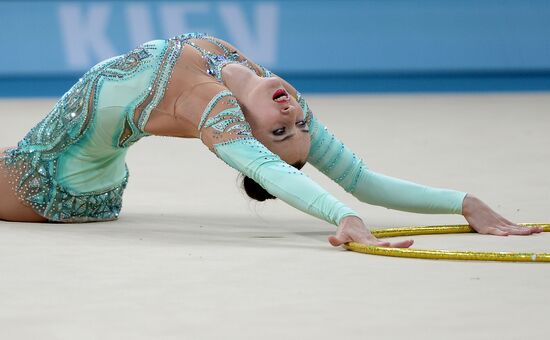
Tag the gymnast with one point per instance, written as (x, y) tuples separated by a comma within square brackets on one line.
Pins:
[(71, 166)]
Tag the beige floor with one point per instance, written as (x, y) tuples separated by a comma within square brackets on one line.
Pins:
[(191, 258)]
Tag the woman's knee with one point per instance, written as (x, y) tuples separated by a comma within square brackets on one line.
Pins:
[(12, 208)]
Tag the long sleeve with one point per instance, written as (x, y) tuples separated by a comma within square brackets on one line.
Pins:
[(225, 131), (337, 161)]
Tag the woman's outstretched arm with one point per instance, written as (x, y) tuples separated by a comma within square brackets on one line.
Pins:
[(225, 131), (333, 158)]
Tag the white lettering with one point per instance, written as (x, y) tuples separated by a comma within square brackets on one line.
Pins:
[(83, 34), (174, 19), (139, 23), (262, 47)]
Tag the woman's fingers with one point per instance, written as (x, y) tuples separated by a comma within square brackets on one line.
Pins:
[(515, 229), (534, 230), (505, 230), (402, 244), (379, 243), (524, 230), (353, 230), (496, 231), (335, 241), (338, 241)]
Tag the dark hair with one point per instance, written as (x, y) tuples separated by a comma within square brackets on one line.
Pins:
[(256, 191)]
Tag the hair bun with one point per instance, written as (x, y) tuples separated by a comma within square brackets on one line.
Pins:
[(255, 191)]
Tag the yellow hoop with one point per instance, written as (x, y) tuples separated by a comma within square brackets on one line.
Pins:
[(445, 254)]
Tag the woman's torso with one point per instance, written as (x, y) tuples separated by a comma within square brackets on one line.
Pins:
[(198, 66)]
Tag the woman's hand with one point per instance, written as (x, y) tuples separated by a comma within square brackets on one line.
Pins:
[(485, 221), (352, 229)]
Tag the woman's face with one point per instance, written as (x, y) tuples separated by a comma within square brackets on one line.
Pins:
[(278, 121)]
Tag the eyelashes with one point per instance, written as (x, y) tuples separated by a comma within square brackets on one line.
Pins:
[(279, 132), (300, 124)]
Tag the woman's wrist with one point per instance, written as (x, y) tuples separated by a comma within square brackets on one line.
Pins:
[(470, 204), (350, 219)]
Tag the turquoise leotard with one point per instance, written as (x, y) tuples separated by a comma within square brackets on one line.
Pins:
[(71, 167)]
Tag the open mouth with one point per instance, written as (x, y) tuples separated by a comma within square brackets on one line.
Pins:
[(280, 96)]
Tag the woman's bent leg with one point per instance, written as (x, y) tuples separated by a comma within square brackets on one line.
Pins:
[(13, 208)]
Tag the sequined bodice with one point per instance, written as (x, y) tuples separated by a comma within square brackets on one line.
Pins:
[(216, 61)]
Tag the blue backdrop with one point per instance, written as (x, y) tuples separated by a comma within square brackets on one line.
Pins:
[(380, 45)]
